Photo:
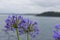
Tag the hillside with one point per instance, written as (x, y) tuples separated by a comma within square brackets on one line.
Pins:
[(52, 14)]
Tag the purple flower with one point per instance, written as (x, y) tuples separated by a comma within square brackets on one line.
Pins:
[(56, 34), (13, 22), (23, 25), (57, 26), (30, 27)]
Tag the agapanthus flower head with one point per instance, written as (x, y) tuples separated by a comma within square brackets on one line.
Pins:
[(57, 26), (30, 27), (23, 25), (13, 22), (56, 34)]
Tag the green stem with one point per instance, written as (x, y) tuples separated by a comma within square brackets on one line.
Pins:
[(27, 36), (17, 34)]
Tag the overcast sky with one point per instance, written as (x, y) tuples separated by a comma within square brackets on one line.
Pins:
[(29, 6)]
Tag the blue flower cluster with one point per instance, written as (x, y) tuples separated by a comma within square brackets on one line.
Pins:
[(57, 32), (23, 25)]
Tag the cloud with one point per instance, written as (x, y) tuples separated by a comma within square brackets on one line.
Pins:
[(47, 2), (28, 6), (15, 6)]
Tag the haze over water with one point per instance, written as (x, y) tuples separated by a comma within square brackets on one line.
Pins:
[(45, 24)]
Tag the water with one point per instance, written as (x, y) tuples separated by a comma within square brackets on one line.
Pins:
[(45, 24)]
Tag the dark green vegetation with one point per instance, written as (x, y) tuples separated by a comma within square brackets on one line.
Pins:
[(47, 14), (50, 14)]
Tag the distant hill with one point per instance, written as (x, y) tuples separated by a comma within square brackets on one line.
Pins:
[(50, 14)]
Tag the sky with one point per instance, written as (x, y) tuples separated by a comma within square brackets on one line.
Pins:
[(29, 6)]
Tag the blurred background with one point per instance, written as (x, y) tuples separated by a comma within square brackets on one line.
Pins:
[(45, 12)]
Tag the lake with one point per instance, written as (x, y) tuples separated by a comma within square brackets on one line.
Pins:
[(45, 24)]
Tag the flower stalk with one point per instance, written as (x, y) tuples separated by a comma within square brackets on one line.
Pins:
[(17, 34), (27, 36)]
